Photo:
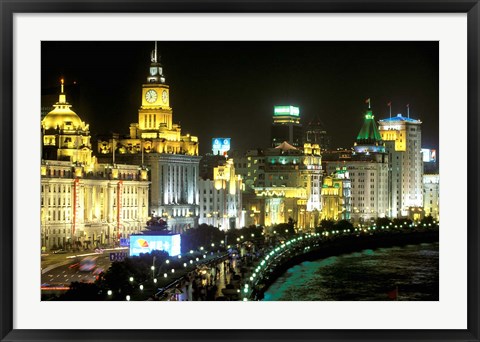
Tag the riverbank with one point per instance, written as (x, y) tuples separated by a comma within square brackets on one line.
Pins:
[(309, 250)]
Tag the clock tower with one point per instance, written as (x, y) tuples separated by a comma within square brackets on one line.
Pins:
[(155, 112)]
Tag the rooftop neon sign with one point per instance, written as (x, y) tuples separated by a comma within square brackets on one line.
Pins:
[(286, 110)]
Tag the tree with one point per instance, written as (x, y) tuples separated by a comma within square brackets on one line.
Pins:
[(344, 225), (204, 235), (383, 222), (325, 225), (157, 226)]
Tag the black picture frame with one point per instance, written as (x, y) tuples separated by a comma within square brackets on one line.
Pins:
[(10, 7)]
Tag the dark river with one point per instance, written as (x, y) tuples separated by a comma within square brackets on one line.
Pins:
[(366, 275)]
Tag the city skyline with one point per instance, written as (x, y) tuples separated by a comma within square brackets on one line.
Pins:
[(221, 88)]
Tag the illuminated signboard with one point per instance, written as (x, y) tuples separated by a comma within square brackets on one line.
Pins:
[(286, 110), (146, 243), (429, 155), (220, 146)]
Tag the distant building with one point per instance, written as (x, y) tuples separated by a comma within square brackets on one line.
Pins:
[(336, 196), (208, 163), (429, 158), (431, 195), (85, 204), (286, 126), (316, 133), (368, 172), (171, 156), (403, 137), (221, 198), (282, 183)]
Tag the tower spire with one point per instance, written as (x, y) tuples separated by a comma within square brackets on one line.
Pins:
[(155, 52)]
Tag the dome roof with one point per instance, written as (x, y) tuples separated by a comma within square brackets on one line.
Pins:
[(62, 115)]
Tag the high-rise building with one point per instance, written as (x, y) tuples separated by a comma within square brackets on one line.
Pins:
[(85, 204), (286, 126), (403, 137), (368, 171), (171, 157)]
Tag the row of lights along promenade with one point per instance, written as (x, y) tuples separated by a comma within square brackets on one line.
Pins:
[(250, 266)]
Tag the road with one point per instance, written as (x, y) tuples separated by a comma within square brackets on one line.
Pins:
[(60, 270)]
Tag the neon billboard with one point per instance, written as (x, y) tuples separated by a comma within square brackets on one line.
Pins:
[(220, 146), (286, 110), (146, 243)]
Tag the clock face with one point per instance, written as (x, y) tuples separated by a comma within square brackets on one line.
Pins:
[(151, 96), (164, 96), (153, 71)]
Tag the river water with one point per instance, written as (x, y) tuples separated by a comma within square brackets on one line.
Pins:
[(367, 275)]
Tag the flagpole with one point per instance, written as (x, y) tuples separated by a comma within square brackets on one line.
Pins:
[(408, 110)]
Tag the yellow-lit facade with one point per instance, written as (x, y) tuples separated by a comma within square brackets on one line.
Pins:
[(336, 196), (172, 157), (85, 204), (286, 184)]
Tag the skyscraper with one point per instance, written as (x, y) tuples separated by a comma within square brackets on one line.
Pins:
[(286, 126), (403, 137)]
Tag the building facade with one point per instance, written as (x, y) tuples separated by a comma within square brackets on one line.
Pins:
[(403, 137), (282, 183), (336, 196), (85, 204), (221, 198), (368, 172), (431, 195), (172, 157)]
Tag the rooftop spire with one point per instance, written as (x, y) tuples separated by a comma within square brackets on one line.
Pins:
[(62, 98), (156, 70), (369, 131)]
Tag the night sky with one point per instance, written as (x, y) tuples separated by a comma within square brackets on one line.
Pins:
[(228, 89)]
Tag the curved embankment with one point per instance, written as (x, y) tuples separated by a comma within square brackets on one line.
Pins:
[(334, 247)]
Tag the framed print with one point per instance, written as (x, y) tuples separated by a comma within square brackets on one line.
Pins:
[(239, 170)]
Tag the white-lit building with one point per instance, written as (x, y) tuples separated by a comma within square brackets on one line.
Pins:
[(403, 137), (158, 143), (221, 198), (431, 195), (368, 172), (85, 204)]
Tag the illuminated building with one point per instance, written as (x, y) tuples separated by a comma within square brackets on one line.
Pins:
[(83, 203), (368, 171), (315, 133), (171, 157), (282, 183), (431, 195), (429, 158), (251, 167), (221, 198), (286, 126), (336, 196), (403, 137)]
